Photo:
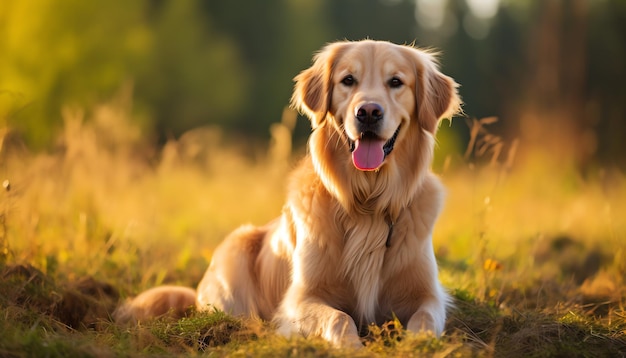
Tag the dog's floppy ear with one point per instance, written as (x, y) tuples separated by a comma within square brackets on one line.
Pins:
[(436, 93), (313, 89)]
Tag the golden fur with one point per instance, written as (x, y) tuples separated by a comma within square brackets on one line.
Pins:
[(352, 246)]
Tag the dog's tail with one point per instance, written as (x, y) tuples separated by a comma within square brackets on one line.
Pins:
[(162, 301)]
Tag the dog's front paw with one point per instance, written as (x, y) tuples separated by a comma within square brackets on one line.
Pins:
[(341, 331), (336, 327), (424, 321)]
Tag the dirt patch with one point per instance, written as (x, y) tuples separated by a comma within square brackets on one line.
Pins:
[(79, 304)]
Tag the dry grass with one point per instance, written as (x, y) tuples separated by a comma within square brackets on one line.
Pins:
[(534, 253)]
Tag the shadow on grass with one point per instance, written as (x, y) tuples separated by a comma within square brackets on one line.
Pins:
[(566, 330)]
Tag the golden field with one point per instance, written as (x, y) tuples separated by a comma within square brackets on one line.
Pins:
[(534, 251)]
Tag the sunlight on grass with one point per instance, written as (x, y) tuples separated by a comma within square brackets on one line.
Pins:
[(535, 220), (106, 198), (522, 242)]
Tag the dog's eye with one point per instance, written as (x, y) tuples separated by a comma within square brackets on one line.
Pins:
[(348, 81), (395, 82)]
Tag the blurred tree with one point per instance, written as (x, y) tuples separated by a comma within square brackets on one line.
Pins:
[(572, 104), (276, 39), (606, 74), (54, 53), (550, 70), (195, 75), (77, 53), (552, 116), (391, 20)]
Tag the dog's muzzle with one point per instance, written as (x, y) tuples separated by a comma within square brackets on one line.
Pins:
[(369, 151)]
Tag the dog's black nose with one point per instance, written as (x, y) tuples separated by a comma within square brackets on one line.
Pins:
[(369, 113)]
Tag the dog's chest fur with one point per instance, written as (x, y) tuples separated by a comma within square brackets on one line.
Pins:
[(352, 240), (362, 261)]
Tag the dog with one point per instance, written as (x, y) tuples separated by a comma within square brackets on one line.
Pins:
[(353, 245)]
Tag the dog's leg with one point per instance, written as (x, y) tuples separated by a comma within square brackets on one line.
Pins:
[(228, 284), (431, 316), (314, 317)]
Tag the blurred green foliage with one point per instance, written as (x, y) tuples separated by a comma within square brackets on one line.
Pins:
[(78, 53), (192, 63)]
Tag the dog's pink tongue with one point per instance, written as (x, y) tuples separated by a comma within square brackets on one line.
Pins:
[(368, 154)]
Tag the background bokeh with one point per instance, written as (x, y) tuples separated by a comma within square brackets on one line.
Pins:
[(551, 71)]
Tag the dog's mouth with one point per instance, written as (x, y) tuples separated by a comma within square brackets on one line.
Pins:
[(369, 151)]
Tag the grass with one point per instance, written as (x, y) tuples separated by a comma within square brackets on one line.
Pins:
[(533, 251)]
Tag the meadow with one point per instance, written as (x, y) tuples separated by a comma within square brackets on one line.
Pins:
[(532, 249)]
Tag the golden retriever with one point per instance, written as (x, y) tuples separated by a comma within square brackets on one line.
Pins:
[(353, 244)]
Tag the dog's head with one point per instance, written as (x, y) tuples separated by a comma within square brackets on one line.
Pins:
[(375, 94)]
